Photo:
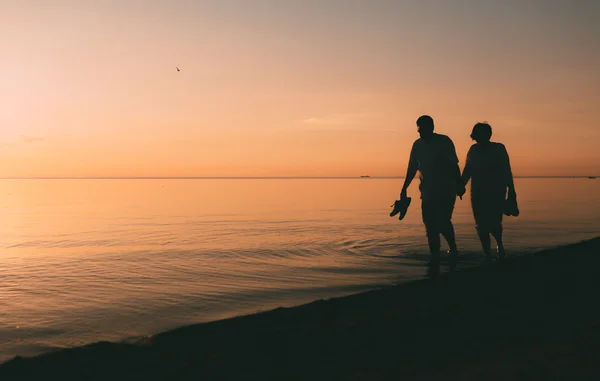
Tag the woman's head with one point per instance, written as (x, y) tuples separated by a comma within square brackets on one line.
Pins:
[(482, 132)]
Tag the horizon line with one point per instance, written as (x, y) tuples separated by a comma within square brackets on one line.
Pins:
[(249, 177)]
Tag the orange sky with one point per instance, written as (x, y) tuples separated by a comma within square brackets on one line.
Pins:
[(292, 88)]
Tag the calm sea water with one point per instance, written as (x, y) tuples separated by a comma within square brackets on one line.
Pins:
[(89, 260)]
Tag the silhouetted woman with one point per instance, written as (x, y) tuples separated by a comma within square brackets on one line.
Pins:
[(488, 168)]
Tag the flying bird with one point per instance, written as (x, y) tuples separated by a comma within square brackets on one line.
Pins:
[(177, 68)]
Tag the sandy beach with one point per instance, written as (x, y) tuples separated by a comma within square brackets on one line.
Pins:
[(533, 317)]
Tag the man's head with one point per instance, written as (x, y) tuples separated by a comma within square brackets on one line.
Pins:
[(482, 132), (425, 126)]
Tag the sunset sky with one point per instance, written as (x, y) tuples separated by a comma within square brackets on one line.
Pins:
[(292, 88)]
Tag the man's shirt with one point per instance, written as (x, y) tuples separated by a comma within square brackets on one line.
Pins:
[(436, 160)]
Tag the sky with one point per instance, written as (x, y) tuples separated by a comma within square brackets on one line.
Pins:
[(292, 88)]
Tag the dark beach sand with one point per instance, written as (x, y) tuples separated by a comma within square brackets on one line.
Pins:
[(534, 317)]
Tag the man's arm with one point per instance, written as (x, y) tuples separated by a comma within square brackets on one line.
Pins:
[(460, 186), (411, 172)]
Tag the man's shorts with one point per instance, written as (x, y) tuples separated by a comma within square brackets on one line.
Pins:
[(437, 212)]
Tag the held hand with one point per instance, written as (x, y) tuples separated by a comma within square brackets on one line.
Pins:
[(460, 192)]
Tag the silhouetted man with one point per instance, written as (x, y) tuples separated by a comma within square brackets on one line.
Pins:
[(434, 156)]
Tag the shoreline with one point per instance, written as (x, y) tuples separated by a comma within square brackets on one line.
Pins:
[(528, 316)]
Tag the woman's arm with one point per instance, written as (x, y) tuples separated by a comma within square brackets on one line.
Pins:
[(466, 174)]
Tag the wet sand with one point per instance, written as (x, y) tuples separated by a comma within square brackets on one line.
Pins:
[(533, 317)]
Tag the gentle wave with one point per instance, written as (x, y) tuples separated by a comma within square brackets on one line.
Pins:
[(127, 260)]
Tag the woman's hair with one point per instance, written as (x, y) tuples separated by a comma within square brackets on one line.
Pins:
[(482, 132)]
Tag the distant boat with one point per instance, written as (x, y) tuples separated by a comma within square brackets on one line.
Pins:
[(365, 177), (591, 177)]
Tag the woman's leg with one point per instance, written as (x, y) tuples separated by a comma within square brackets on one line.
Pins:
[(496, 223), (497, 234), (484, 237), (480, 212)]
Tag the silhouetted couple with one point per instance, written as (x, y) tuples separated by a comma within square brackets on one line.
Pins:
[(488, 167)]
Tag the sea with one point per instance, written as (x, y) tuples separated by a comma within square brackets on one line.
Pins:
[(87, 260)]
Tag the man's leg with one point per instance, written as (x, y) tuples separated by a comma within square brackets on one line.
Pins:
[(433, 239), (448, 233), (484, 237), (447, 229), (432, 230)]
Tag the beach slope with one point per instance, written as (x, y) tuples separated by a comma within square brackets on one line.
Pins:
[(532, 317)]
